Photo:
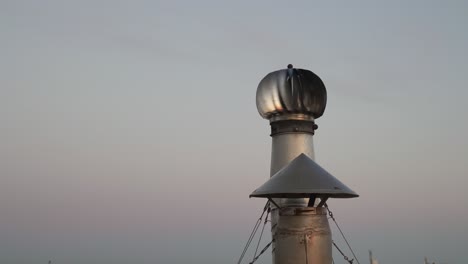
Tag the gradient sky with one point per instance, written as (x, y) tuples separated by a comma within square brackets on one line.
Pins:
[(129, 131)]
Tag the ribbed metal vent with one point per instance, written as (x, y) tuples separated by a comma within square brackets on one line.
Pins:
[(291, 91)]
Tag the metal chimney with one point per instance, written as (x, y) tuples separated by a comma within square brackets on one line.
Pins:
[(291, 99)]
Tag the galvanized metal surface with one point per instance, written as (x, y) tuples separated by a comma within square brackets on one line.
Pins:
[(295, 94), (301, 178), (302, 235), (289, 116), (292, 126), (286, 147), (291, 91)]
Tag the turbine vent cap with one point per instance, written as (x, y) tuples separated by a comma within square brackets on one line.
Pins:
[(291, 91)]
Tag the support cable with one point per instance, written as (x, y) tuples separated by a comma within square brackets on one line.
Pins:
[(254, 231), (347, 243), (263, 251), (261, 233), (341, 252)]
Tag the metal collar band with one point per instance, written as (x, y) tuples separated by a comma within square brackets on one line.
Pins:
[(292, 126), (303, 211)]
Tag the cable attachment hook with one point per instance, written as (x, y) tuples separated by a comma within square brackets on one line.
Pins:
[(330, 213), (350, 261), (342, 235)]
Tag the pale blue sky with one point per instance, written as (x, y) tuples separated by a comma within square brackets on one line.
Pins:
[(130, 132)]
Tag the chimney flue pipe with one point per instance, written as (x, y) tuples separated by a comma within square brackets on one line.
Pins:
[(291, 99)]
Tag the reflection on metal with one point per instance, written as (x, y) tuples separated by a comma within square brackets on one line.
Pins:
[(302, 235), (292, 126), (285, 148), (291, 92), (291, 99), (300, 179)]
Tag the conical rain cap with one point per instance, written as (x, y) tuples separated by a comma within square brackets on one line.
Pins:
[(301, 178)]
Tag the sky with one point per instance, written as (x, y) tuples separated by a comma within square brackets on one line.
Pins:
[(129, 131)]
